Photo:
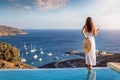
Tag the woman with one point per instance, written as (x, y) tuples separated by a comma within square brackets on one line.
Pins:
[(89, 31)]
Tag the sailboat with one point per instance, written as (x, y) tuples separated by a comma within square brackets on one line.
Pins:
[(25, 47), (23, 59), (32, 50)]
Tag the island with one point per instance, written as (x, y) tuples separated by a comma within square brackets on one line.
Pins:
[(8, 31)]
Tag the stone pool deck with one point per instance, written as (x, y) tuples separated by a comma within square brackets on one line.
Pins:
[(114, 65)]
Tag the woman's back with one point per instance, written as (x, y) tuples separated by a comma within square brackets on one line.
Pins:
[(93, 32), (88, 33)]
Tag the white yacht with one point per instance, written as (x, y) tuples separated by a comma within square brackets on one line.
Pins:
[(35, 56), (49, 54), (41, 51), (23, 59), (32, 62), (26, 53), (67, 55), (40, 59)]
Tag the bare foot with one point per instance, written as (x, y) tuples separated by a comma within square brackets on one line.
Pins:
[(90, 67)]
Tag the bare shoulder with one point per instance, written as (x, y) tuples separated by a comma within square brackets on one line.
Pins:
[(84, 26), (94, 28)]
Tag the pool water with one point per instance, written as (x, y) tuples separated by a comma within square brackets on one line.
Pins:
[(60, 74)]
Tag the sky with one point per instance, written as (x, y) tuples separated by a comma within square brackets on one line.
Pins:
[(59, 14)]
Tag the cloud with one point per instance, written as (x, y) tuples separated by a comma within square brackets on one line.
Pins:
[(50, 4), (27, 7), (22, 6), (39, 4), (19, 4)]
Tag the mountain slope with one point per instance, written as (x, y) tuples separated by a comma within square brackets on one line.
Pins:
[(7, 30)]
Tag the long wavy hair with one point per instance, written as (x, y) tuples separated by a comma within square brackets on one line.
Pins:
[(89, 24)]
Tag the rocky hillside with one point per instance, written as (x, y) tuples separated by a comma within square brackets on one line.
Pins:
[(102, 59), (10, 65), (7, 30), (9, 57)]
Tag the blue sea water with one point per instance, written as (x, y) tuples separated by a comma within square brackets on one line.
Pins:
[(58, 42), (60, 74)]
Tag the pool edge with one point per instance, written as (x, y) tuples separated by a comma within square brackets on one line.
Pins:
[(52, 69), (114, 65)]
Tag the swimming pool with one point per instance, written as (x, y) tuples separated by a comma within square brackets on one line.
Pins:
[(60, 74)]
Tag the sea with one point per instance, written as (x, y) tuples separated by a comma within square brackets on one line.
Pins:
[(52, 45)]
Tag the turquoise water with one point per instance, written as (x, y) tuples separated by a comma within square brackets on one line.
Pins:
[(60, 74)]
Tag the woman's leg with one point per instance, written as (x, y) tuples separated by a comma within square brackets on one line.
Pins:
[(90, 67)]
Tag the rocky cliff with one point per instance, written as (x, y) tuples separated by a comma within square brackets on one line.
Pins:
[(9, 57)]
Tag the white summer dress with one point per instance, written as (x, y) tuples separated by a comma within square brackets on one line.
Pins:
[(90, 57)]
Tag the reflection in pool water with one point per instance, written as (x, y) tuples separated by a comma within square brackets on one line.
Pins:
[(91, 75)]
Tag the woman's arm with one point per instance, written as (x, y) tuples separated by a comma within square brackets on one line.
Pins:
[(95, 31), (83, 32)]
